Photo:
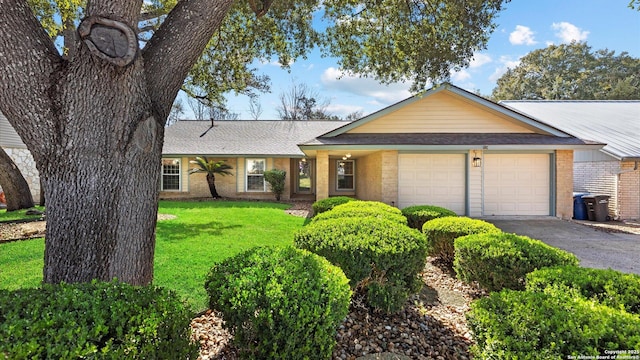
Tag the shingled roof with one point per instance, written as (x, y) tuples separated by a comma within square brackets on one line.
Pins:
[(272, 138)]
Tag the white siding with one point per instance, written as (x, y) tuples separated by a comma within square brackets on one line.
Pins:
[(8, 136)]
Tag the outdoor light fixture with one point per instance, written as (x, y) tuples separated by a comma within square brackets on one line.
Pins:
[(344, 158), (348, 155), (304, 159), (477, 161)]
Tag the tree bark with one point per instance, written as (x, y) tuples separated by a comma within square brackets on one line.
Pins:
[(15, 187), (211, 181), (96, 129)]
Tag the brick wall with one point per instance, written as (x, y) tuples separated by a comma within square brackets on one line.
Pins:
[(599, 178), (369, 177), (390, 177), (629, 192), (564, 184)]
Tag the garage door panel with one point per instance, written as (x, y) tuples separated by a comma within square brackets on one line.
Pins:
[(436, 179), (516, 184)]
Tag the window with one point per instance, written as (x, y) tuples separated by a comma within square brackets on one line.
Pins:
[(345, 175), (255, 174), (170, 179)]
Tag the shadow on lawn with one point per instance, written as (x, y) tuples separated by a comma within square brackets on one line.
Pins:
[(175, 231)]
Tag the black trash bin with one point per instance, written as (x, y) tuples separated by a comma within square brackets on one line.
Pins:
[(597, 207), (579, 208)]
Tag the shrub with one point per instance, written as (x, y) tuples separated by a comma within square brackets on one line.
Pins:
[(417, 215), (363, 209), (276, 179), (609, 287), (441, 233), (94, 320), (280, 303), (548, 325), (327, 204), (381, 258), (501, 260)]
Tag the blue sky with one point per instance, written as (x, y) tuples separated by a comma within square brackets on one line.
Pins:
[(524, 26)]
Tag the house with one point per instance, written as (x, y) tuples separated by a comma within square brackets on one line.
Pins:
[(14, 147), (612, 170), (446, 147)]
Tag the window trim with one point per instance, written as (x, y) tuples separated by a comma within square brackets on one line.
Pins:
[(247, 175), (179, 175), (353, 175)]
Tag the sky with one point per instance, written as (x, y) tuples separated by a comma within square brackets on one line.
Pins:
[(523, 26)]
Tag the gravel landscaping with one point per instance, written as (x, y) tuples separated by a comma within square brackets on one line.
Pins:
[(431, 326)]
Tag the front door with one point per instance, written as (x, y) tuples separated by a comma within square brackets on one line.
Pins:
[(304, 176)]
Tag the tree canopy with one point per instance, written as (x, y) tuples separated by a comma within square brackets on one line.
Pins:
[(571, 72)]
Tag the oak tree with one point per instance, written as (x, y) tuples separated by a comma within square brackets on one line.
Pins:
[(93, 117)]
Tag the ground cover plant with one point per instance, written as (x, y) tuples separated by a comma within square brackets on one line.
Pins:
[(202, 234), (280, 303)]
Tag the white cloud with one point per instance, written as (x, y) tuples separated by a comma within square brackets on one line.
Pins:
[(479, 59), (522, 35), (343, 109), (460, 76), (337, 80), (568, 32), (506, 63)]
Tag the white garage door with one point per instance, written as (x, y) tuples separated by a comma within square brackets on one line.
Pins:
[(516, 184), (432, 179)]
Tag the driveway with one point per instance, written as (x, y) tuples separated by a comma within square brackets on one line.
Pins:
[(594, 248)]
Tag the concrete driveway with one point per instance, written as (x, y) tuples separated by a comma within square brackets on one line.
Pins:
[(594, 248)]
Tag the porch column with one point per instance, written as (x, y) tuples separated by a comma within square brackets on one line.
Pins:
[(390, 177), (322, 174), (564, 184)]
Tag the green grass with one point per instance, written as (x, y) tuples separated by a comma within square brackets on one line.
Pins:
[(186, 247), (18, 214)]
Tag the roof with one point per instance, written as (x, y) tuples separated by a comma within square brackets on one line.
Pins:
[(452, 141), (613, 122), (523, 119), (273, 138)]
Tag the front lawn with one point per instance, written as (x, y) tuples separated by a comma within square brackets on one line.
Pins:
[(202, 234)]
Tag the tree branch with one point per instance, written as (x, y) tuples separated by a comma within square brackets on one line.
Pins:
[(25, 85), (176, 46)]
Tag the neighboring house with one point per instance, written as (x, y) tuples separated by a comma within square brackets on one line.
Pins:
[(445, 147), (613, 170), (17, 150)]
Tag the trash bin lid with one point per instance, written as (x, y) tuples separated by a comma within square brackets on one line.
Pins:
[(579, 194)]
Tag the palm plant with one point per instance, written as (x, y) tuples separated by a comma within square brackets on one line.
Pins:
[(211, 168)]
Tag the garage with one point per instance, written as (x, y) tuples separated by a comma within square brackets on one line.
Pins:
[(432, 179), (516, 184)]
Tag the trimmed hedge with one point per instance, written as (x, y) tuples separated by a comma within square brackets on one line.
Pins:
[(417, 215), (94, 320), (608, 287), (361, 209), (441, 233), (501, 260), (329, 203), (280, 303), (381, 258), (548, 325)]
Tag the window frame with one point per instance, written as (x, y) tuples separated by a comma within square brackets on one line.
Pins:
[(247, 175), (178, 163), (352, 175)]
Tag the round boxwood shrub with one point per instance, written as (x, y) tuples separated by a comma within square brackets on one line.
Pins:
[(280, 303), (609, 287), (381, 258), (363, 209), (94, 320), (441, 233), (548, 325), (329, 203), (417, 215), (501, 260)]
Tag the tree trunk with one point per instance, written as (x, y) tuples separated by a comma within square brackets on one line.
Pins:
[(13, 184), (211, 181), (94, 124)]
